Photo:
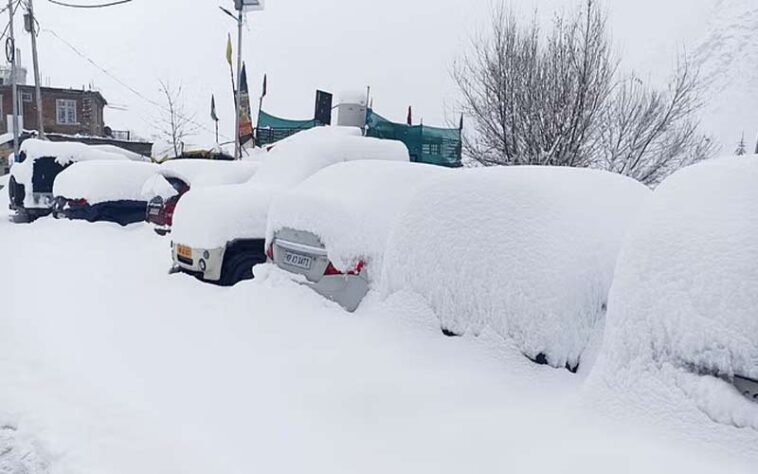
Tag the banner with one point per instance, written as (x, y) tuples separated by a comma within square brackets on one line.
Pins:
[(246, 120)]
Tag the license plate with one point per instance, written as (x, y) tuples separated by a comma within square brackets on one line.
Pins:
[(297, 260), (154, 211), (184, 251)]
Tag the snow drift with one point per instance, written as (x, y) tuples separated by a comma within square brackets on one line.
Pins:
[(683, 311), (352, 207), (210, 217), (104, 181), (526, 251)]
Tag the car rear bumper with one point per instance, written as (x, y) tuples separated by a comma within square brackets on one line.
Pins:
[(205, 263), (346, 290)]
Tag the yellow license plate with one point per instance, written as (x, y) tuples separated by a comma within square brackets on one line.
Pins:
[(184, 251)]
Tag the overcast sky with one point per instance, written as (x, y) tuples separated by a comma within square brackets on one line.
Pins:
[(403, 49)]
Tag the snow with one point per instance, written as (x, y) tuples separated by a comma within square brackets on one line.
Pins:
[(682, 310), (140, 371), (526, 251), (212, 216), (121, 151), (352, 207), (63, 152), (197, 173), (104, 181)]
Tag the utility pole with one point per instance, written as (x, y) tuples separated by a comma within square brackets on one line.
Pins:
[(237, 145), (10, 51), (35, 59)]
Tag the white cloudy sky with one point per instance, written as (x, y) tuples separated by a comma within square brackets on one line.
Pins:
[(402, 48)]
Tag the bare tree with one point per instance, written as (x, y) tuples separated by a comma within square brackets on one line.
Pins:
[(175, 125), (647, 134), (556, 99), (535, 103)]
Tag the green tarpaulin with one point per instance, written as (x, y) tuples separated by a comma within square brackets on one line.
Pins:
[(272, 129), (436, 146)]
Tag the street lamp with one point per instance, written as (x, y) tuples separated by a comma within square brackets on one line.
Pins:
[(242, 7)]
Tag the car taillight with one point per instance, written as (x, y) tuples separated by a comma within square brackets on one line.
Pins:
[(168, 211), (331, 270), (79, 202), (270, 251)]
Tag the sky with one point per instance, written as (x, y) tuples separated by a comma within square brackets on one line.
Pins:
[(402, 49)]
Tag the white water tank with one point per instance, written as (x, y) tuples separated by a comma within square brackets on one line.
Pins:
[(352, 109)]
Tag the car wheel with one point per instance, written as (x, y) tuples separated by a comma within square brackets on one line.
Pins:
[(238, 267)]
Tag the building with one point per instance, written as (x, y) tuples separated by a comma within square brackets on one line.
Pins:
[(65, 111)]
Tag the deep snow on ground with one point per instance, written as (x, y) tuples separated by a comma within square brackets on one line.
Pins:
[(110, 365)]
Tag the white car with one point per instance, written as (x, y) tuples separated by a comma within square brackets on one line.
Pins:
[(218, 232), (333, 228)]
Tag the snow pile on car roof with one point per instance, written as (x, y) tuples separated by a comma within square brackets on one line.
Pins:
[(103, 181), (352, 207), (296, 158), (526, 251), (209, 172), (683, 312), (66, 152), (210, 217)]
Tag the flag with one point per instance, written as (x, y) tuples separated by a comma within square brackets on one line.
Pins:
[(460, 125), (409, 120), (265, 86), (229, 50), (246, 121), (214, 117)]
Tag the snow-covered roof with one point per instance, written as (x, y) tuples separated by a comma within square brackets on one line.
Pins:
[(209, 172), (685, 295), (102, 181), (528, 252), (352, 207)]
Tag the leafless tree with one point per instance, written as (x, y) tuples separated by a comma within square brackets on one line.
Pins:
[(535, 101), (175, 124), (647, 133), (556, 99)]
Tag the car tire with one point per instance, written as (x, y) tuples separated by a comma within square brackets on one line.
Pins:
[(238, 267)]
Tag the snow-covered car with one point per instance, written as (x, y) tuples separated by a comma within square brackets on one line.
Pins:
[(103, 191), (176, 177), (218, 232), (683, 314), (526, 252), (333, 227), (30, 186)]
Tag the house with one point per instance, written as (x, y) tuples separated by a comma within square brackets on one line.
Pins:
[(67, 114)]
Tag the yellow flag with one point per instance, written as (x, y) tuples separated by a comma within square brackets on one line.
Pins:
[(229, 50)]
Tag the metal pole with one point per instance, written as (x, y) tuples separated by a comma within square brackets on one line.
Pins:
[(14, 82), (237, 147), (35, 58)]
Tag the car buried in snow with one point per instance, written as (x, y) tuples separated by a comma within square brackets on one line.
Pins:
[(109, 191), (332, 228), (218, 232), (30, 186), (176, 177)]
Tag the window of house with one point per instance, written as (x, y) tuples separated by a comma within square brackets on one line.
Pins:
[(26, 97), (66, 111)]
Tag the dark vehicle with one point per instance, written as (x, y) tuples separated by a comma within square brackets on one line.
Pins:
[(30, 186), (160, 211), (109, 191)]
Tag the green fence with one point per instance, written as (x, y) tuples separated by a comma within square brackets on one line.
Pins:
[(272, 129), (436, 146)]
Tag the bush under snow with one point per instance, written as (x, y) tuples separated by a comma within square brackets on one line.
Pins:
[(684, 304), (526, 251), (352, 207), (210, 217), (104, 181)]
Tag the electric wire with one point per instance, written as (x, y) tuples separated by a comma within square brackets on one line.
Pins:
[(100, 5)]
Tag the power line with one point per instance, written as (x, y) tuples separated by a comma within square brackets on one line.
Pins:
[(101, 5), (125, 85)]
